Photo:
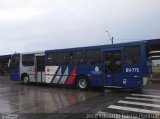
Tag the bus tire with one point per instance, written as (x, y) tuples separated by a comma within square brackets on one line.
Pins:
[(25, 79), (83, 83)]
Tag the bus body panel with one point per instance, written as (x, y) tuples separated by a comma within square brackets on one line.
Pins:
[(132, 82), (14, 74), (67, 74), (94, 73), (14, 67), (125, 74)]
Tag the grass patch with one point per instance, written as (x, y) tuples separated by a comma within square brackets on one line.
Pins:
[(156, 69)]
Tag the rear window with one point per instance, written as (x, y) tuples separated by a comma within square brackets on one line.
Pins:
[(132, 55)]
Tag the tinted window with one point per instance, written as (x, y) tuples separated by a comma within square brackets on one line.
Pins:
[(76, 58), (108, 62), (113, 62), (14, 62), (28, 60), (51, 59), (132, 55), (65, 58), (58, 58), (93, 57), (40, 63), (117, 62)]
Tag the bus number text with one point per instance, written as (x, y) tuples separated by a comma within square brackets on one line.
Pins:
[(132, 70)]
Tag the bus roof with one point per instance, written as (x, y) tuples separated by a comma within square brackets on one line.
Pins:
[(109, 45), (36, 52), (149, 43)]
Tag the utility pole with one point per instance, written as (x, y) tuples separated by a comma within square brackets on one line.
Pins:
[(111, 38)]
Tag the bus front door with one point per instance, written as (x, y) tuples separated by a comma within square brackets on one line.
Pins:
[(40, 69), (113, 68)]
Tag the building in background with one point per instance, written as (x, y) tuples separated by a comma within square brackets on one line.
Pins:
[(4, 59)]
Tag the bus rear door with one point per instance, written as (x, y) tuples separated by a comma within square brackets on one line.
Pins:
[(113, 68), (40, 68)]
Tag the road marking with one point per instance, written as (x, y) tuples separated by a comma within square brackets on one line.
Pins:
[(139, 103), (107, 91), (139, 110), (149, 90), (115, 116), (143, 99), (153, 93), (142, 95)]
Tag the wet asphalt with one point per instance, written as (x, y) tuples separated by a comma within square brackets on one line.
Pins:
[(46, 101)]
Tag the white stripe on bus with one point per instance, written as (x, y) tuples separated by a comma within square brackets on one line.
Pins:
[(57, 77), (142, 95), (143, 99), (139, 110), (64, 78), (139, 103)]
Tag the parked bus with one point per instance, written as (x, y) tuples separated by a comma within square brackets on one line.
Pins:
[(124, 65)]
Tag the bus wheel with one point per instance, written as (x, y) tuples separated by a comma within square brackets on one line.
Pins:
[(83, 83), (25, 79)]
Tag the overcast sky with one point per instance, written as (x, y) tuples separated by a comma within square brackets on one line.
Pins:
[(36, 25)]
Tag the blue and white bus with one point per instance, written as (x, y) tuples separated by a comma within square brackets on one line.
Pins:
[(124, 65)]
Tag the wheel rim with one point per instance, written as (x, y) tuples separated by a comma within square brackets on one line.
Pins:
[(82, 83), (25, 79)]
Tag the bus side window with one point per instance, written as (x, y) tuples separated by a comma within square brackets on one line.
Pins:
[(78, 58), (71, 58), (93, 57), (59, 60), (56, 59), (65, 58), (132, 55), (28, 60), (118, 62), (49, 59), (108, 62)]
